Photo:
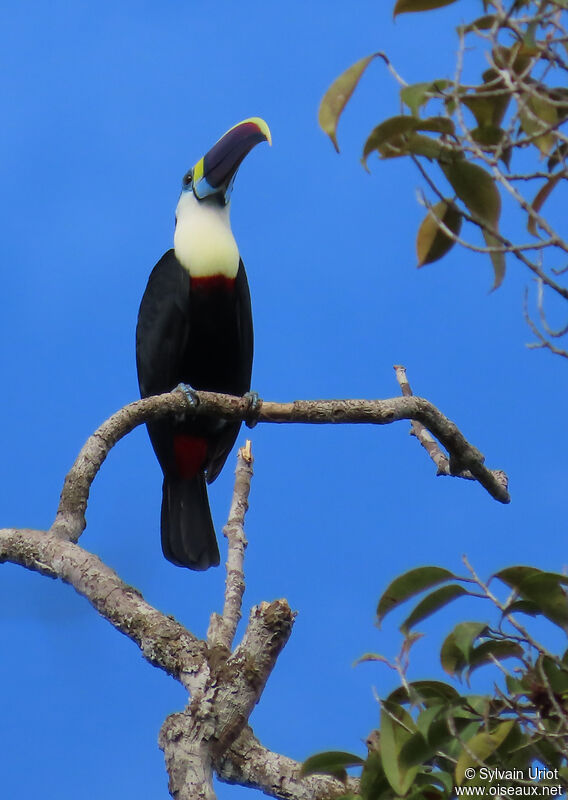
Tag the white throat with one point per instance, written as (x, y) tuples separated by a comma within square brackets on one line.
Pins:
[(203, 241)]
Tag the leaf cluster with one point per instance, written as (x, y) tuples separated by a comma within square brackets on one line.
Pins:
[(472, 133), (432, 736)]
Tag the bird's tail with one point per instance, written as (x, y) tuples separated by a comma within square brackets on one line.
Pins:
[(188, 535)]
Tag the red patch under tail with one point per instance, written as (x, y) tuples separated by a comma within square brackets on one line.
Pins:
[(190, 453)]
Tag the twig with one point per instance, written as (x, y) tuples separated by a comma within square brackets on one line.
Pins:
[(440, 459), (424, 437), (543, 342), (555, 334)]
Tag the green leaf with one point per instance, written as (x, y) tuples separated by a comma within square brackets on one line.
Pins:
[(516, 58), (483, 108), (497, 259), (557, 676), (481, 24), (373, 783), (337, 97), (397, 728), (451, 657), (558, 156), (425, 692), (465, 633), (427, 786), (548, 753), (428, 718), (437, 125), (349, 796), (370, 657), (540, 198), (457, 647), (499, 650), (488, 136), (388, 130), (333, 762), (439, 732), (425, 146), (537, 115), (544, 589), (488, 102), (432, 243), (477, 190), (481, 747), (407, 6), (560, 95), (447, 781), (418, 94), (522, 607), (513, 576), (410, 584), (416, 751), (453, 747), (478, 703), (394, 137), (514, 685)]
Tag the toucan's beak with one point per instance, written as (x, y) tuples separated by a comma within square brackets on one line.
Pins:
[(215, 172)]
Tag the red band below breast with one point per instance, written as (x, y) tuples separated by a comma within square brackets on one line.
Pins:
[(190, 453), (213, 283)]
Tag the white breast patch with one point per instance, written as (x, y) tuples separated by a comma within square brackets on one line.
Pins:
[(203, 241)]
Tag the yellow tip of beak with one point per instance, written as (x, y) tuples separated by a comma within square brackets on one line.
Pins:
[(260, 124)]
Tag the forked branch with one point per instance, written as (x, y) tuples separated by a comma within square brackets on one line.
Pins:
[(462, 456)]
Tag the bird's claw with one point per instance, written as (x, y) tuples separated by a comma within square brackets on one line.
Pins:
[(253, 411), (190, 395)]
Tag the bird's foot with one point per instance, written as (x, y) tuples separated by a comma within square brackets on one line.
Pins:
[(190, 395), (253, 411)]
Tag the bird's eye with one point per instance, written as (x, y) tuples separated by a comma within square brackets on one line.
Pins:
[(187, 178)]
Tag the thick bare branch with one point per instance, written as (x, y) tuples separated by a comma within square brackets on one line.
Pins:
[(163, 641), (195, 738), (248, 763)]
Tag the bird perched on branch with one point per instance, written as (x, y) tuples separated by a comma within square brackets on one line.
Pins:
[(195, 328)]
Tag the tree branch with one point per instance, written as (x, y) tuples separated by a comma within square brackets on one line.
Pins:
[(248, 763), (222, 628), (193, 739), (70, 519), (428, 442), (163, 641)]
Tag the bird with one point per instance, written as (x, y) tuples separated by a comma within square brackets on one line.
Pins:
[(195, 328)]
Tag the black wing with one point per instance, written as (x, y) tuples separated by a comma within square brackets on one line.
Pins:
[(245, 327), (163, 327), (244, 332)]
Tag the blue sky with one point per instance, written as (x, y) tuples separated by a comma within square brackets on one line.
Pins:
[(105, 107)]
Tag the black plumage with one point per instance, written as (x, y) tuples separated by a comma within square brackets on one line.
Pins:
[(196, 331)]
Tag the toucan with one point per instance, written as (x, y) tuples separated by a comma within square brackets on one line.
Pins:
[(195, 328)]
